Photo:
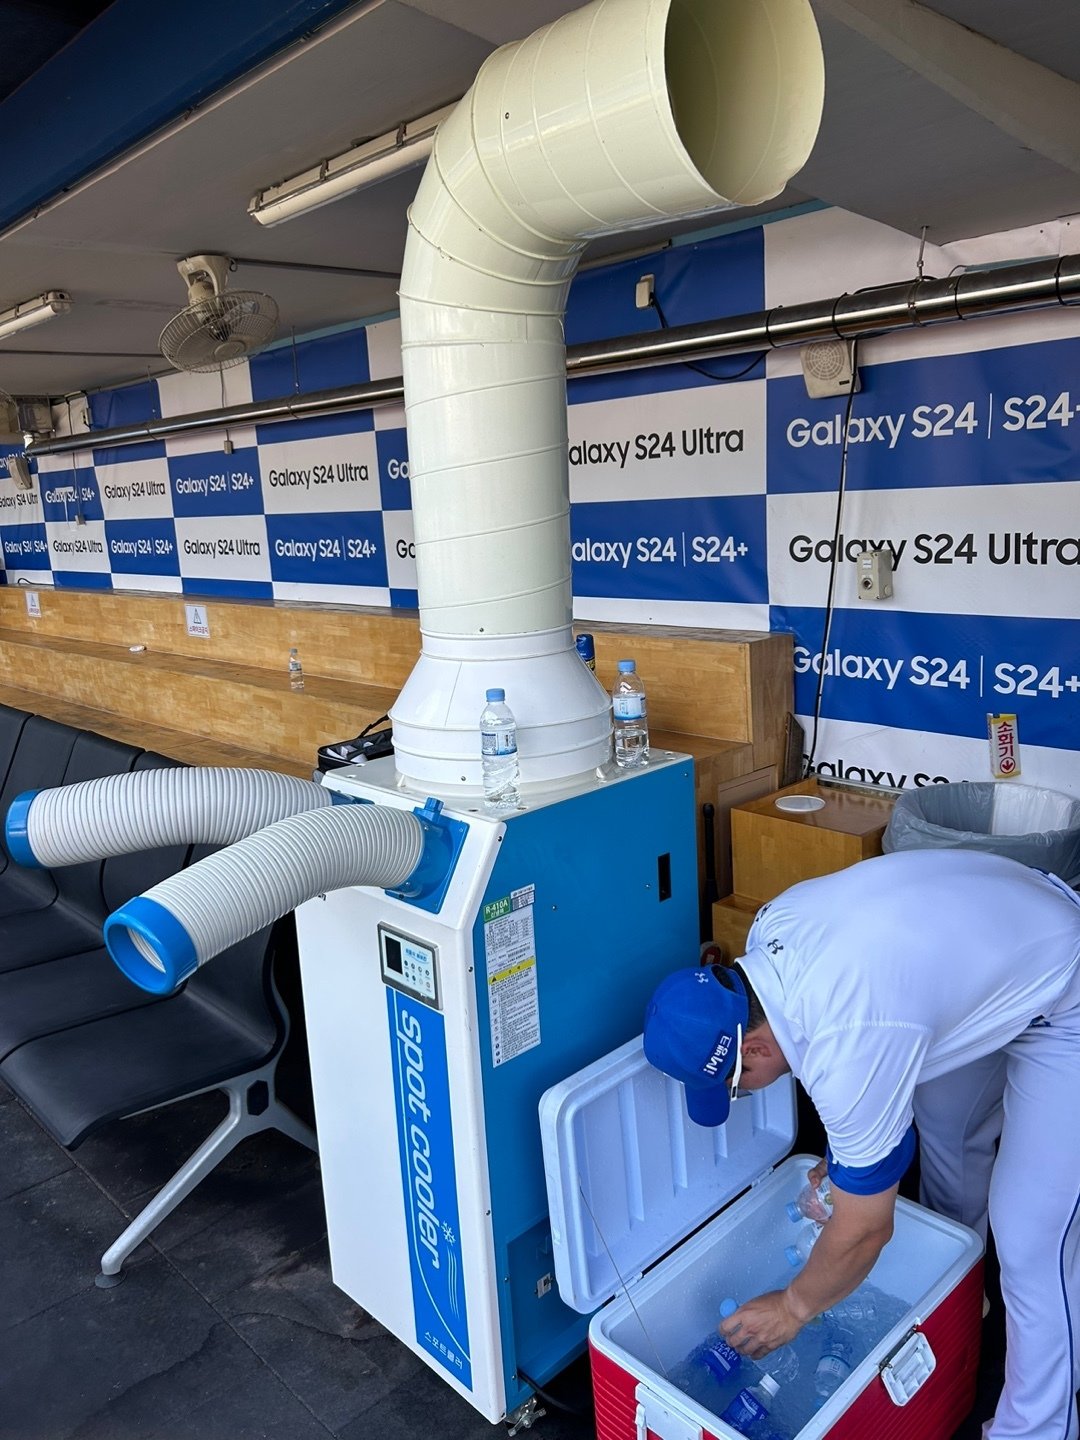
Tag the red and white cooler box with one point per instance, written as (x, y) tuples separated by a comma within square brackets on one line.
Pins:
[(629, 1177)]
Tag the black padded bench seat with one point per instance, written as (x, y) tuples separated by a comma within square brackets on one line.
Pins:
[(80, 1045)]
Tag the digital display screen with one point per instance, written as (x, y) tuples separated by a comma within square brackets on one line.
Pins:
[(393, 954)]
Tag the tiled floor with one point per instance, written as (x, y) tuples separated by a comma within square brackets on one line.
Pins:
[(227, 1326)]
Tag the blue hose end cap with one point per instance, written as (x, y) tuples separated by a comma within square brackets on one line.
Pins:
[(18, 841), (163, 938)]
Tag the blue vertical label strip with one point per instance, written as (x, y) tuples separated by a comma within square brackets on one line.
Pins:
[(429, 1183), (393, 455)]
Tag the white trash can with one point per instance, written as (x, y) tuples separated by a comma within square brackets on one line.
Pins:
[(1022, 822)]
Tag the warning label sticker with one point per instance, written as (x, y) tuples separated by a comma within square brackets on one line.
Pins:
[(513, 1000)]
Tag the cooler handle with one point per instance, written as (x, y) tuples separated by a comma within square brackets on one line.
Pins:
[(907, 1367), (653, 1417)]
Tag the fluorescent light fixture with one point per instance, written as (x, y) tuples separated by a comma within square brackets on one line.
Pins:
[(33, 312), (390, 154)]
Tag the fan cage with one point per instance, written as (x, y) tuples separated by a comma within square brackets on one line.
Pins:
[(826, 359), (217, 333)]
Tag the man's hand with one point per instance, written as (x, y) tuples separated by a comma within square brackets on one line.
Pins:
[(761, 1325), (841, 1259)]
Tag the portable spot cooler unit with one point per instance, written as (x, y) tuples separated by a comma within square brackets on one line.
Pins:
[(434, 1027), (629, 1176)]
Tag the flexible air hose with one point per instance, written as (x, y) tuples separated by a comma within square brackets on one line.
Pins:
[(122, 813), (160, 938)]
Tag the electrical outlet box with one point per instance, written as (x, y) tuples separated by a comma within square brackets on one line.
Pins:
[(873, 574), (644, 292)]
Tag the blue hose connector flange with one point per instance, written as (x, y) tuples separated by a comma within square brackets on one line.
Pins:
[(444, 837), (18, 841), (163, 934)]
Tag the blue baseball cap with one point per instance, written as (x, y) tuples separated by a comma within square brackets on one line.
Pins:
[(694, 1027)]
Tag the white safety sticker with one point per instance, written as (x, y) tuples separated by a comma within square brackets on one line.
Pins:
[(513, 998)]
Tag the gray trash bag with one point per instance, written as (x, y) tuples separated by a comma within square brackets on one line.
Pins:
[(1023, 822)]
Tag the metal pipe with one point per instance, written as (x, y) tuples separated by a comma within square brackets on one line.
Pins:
[(970, 295), (288, 407), (1031, 285)]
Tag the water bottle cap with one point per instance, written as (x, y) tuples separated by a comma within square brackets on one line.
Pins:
[(793, 1256), (728, 1307), (626, 667), (769, 1385), (794, 1214), (497, 695)]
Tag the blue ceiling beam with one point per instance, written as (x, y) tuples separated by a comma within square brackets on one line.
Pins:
[(133, 69)]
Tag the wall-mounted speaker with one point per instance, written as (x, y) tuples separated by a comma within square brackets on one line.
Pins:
[(18, 467), (827, 368)]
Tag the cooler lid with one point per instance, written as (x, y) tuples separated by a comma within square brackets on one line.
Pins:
[(629, 1174)]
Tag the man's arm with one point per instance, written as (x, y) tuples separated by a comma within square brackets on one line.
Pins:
[(843, 1256)]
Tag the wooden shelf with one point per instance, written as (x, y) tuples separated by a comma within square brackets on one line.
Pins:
[(721, 696), (236, 705), (176, 744)]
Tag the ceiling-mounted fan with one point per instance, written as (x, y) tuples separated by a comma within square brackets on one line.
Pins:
[(219, 327)]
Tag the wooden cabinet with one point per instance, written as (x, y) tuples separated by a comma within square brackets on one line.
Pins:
[(731, 921), (773, 848)]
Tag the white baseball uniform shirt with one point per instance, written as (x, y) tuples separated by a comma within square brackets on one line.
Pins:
[(898, 970)]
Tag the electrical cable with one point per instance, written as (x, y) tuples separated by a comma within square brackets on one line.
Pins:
[(692, 364), (549, 1399), (829, 601)]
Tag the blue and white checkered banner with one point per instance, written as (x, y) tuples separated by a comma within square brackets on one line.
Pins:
[(700, 495)]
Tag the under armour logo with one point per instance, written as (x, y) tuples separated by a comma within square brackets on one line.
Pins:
[(774, 947), (702, 977)]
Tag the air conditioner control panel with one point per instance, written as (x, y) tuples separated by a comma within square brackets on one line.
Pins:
[(409, 965)]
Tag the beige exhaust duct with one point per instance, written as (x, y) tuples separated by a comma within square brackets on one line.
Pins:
[(615, 116)]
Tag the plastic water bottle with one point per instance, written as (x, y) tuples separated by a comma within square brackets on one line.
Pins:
[(813, 1202), (834, 1367), (498, 752), (782, 1365), (721, 1358), (857, 1309), (799, 1252), (751, 1405), (296, 670), (629, 714)]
